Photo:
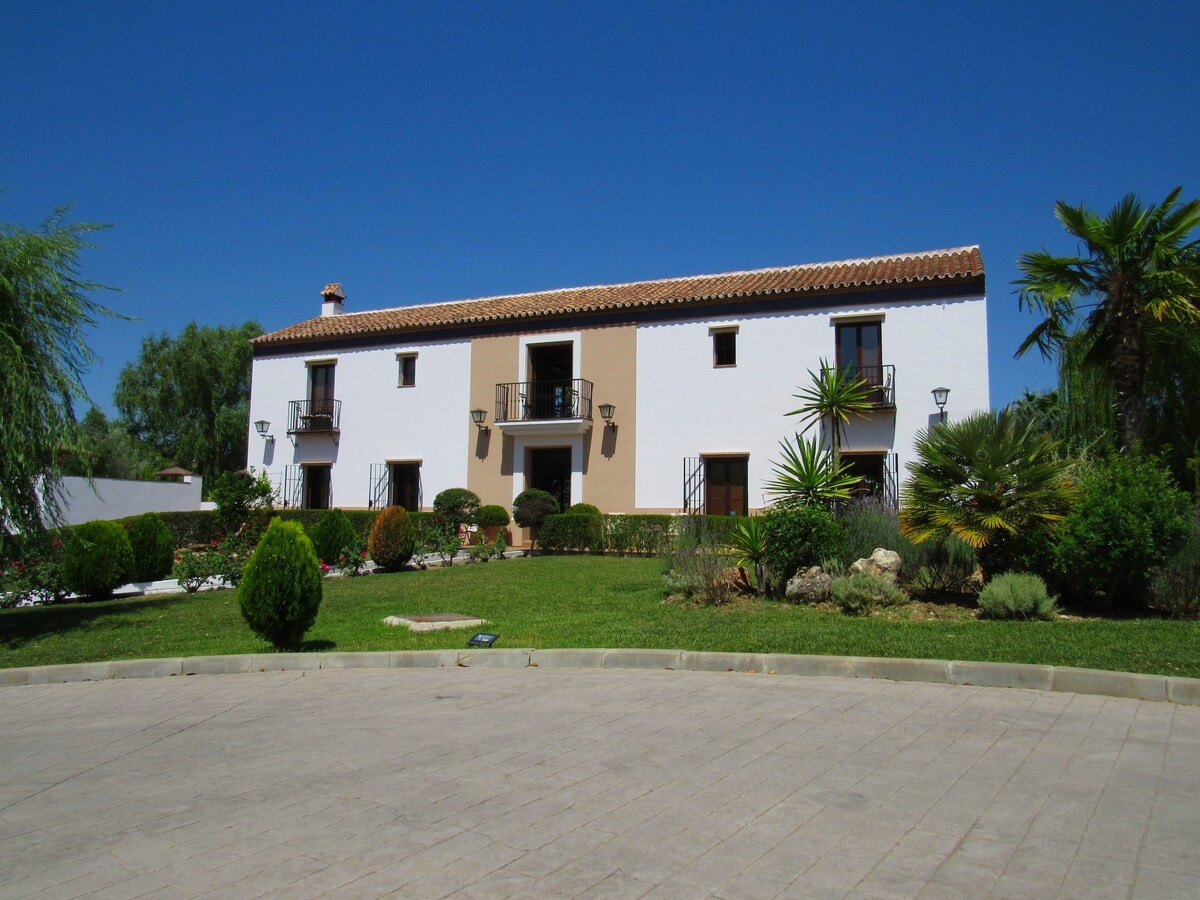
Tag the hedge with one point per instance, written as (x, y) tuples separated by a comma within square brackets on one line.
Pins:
[(620, 534)]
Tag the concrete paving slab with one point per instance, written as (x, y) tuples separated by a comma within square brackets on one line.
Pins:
[(1110, 684), (643, 659), (145, 668), (574, 658), (698, 661), (1008, 675), (935, 671), (434, 779), (789, 664), (234, 664)]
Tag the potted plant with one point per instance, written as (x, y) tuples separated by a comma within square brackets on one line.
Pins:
[(491, 519)]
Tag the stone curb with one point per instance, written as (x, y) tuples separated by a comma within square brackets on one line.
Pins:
[(1184, 691)]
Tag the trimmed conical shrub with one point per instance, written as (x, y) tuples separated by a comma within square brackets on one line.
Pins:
[(332, 533), (153, 549), (98, 559), (392, 541), (280, 592)]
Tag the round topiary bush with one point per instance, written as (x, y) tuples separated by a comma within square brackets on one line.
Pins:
[(582, 509), (98, 559), (392, 541), (531, 508), (492, 516), (456, 505), (280, 592), (1016, 595), (332, 534), (153, 549), (860, 592)]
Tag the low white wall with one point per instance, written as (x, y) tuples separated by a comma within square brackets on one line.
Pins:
[(115, 498)]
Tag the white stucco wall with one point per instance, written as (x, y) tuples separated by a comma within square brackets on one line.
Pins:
[(379, 420), (687, 408), (116, 498)]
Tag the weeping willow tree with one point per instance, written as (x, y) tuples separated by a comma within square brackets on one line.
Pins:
[(45, 308)]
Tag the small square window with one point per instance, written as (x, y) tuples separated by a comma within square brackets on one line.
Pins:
[(408, 369), (724, 348)]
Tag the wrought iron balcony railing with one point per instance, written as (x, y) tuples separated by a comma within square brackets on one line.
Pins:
[(314, 416), (538, 401)]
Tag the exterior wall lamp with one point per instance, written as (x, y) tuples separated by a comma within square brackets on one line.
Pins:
[(940, 395), (263, 427), (478, 416), (606, 413)]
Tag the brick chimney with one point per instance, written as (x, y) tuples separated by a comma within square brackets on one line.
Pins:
[(333, 297)]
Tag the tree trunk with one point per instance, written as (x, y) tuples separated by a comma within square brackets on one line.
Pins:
[(1128, 366)]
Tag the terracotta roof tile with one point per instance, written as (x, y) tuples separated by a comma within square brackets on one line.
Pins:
[(902, 270)]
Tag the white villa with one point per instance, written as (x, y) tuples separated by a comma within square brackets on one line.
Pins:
[(654, 396)]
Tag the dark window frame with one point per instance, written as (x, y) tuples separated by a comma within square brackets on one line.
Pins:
[(724, 346), (407, 375)]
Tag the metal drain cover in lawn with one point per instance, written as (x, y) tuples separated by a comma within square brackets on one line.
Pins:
[(435, 621)]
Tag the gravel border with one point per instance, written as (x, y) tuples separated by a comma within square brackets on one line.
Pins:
[(935, 671)]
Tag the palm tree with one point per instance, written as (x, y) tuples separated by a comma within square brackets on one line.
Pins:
[(834, 395), (1139, 267), (987, 479)]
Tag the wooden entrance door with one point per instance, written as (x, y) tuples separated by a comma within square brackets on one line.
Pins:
[(406, 486), (725, 485), (550, 471)]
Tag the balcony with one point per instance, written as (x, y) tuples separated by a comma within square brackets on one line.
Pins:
[(544, 406), (880, 382), (314, 417)]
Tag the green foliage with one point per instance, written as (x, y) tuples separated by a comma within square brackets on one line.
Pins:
[(242, 499), (98, 559), (832, 397), (392, 541), (107, 450), (940, 566), (696, 562), (352, 560), (808, 474), (858, 593), (640, 534), (800, 537), (989, 479), (331, 533), (746, 540), (492, 516), (45, 308), (566, 531), (532, 507), (361, 519), (194, 567), (582, 509), (1016, 595), (189, 396), (188, 527), (1131, 518), (36, 578), (1175, 587), (1140, 270), (281, 591), (153, 549), (457, 506)]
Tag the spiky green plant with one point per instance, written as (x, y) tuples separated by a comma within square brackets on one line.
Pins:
[(986, 479), (809, 474), (747, 542), (833, 396)]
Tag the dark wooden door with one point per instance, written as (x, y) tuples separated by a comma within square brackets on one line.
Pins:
[(725, 488), (320, 391), (317, 487), (406, 486), (550, 371)]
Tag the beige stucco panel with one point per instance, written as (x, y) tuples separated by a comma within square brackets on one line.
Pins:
[(608, 359), (490, 463)]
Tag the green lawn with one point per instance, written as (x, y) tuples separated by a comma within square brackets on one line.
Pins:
[(576, 601)]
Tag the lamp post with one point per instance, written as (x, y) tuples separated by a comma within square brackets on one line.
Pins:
[(940, 395)]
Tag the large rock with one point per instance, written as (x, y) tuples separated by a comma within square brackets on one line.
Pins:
[(882, 562), (809, 586)]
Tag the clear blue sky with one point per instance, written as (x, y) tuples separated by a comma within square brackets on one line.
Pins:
[(249, 153)]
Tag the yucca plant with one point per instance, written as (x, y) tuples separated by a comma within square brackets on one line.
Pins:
[(834, 395), (747, 543), (986, 479), (809, 474)]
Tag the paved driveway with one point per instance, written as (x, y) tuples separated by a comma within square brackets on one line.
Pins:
[(561, 782)]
